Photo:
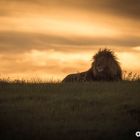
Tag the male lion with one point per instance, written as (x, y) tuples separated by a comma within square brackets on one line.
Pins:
[(105, 67)]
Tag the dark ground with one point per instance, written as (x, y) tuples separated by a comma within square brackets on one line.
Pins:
[(86, 111)]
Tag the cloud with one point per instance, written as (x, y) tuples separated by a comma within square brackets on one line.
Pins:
[(19, 42), (124, 8), (40, 64), (56, 37), (56, 64)]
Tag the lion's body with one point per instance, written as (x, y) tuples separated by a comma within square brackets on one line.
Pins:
[(79, 77), (105, 67)]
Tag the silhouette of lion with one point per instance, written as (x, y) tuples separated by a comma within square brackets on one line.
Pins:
[(105, 67)]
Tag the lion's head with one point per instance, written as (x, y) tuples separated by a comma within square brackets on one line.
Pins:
[(105, 66)]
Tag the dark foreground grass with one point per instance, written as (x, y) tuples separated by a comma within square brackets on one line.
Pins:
[(86, 111)]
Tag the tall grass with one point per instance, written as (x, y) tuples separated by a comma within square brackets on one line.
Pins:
[(127, 76), (130, 76), (74, 111)]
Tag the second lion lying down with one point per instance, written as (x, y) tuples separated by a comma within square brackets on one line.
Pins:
[(105, 67)]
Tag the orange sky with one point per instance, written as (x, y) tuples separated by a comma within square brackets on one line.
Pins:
[(50, 39)]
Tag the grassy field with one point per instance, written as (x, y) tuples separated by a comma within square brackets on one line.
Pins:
[(85, 111)]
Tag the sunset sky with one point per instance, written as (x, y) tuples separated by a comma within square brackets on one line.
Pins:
[(49, 39)]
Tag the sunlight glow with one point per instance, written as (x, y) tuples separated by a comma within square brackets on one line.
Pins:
[(52, 39), (61, 26), (130, 61), (137, 48)]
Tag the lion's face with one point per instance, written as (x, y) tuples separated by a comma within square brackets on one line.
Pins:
[(101, 65), (105, 67)]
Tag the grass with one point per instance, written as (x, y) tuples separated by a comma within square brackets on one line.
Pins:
[(85, 111)]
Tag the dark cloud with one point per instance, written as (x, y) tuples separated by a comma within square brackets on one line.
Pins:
[(3, 13), (125, 8), (21, 42), (128, 8)]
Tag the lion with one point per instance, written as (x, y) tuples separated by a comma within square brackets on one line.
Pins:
[(105, 67)]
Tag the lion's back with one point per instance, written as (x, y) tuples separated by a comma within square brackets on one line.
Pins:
[(71, 78), (79, 77)]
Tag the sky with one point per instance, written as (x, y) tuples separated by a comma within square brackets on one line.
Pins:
[(48, 39)]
